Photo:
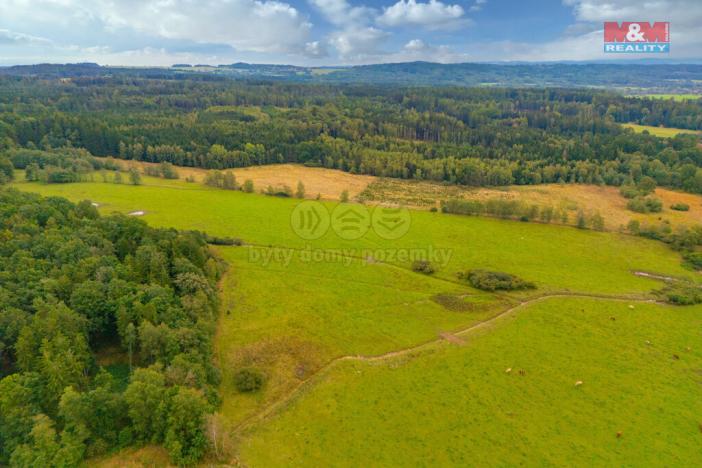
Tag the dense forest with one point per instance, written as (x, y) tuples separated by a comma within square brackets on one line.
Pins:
[(634, 76), (471, 136), (75, 285)]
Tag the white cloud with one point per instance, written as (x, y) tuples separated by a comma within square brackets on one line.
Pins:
[(249, 25), (316, 49), (358, 44), (417, 49), (8, 37), (477, 6), (342, 13), (431, 15), (685, 17)]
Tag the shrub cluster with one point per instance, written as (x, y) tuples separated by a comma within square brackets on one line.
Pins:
[(680, 207), (423, 266), (249, 380), (58, 166), (224, 180), (645, 205), (495, 280), (165, 170), (682, 293)]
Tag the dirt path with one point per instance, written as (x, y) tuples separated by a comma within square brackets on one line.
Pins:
[(460, 334)]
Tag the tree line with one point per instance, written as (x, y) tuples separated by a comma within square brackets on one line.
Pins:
[(471, 136), (74, 283)]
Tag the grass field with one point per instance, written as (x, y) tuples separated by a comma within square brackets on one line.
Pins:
[(330, 183), (570, 197), (456, 405), (675, 97), (309, 325), (659, 131)]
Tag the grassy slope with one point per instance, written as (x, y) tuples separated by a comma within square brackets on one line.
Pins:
[(290, 319), (659, 131), (555, 257), (457, 406)]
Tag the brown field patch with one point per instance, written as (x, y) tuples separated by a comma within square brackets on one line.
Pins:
[(328, 183), (570, 197)]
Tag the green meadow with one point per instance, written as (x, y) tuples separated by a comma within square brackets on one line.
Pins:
[(310, 322), (675, 97), (659, 131), (457, 405)]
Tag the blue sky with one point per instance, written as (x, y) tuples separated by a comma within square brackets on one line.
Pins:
[(328, 32)]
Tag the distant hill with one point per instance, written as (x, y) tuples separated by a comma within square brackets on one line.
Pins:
[(631, 77)]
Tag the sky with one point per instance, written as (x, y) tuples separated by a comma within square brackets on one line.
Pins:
[(329, 32)]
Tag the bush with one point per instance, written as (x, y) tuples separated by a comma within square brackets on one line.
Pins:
[(223, 240), (495, 280), (423, 266), (6, 170), (248, 186), (225, 180), (164, 170), (283, 191), (248, 380), (645, 205), (627, 191), (694, 260), (646, 185), (680, 207), (682, 293)]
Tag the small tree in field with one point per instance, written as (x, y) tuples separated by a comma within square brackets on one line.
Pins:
[(344, 196), (300, 193), (582, 220), (229, 181), (598, 223), (248, 186), (134, 176)]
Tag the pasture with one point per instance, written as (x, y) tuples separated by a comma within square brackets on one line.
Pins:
[(662, 132), (364, 349), (456, 405), (674, 97)]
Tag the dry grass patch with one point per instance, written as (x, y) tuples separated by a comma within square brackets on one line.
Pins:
[(328, 183), (569, 197), (151, 456)]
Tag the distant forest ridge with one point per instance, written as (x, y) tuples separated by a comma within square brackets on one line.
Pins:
[(635, 77)]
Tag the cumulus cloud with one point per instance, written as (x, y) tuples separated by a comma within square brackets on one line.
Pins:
[(316, 49), (342, 13), (583, 39), (685, 17), (477, 6), (249, 25), (417, 49), (8, 37), (431, 15), (358, 44)]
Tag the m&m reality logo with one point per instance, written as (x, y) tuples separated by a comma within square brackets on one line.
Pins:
[(632, 37)]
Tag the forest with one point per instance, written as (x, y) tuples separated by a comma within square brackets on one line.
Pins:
[(470, 136), (74, 284)]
